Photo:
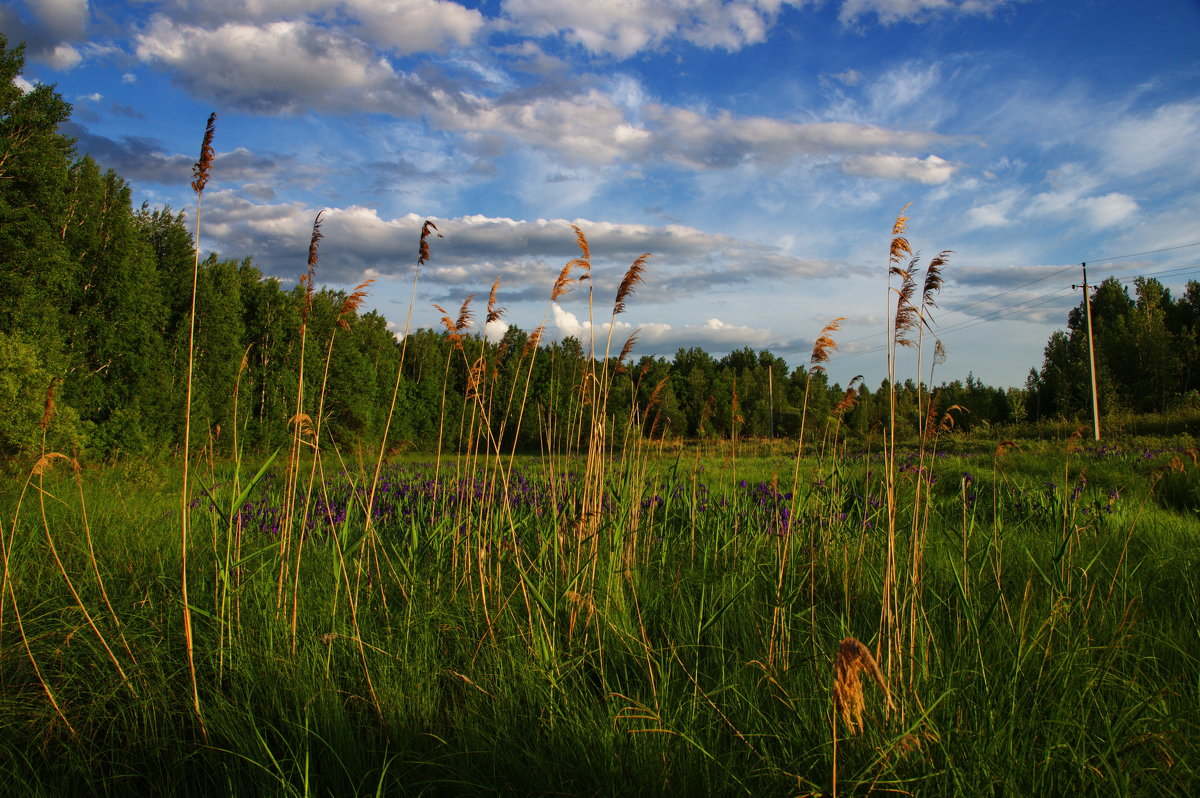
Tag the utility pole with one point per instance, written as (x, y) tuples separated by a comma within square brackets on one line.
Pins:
[(771, 398), (1087, 305)]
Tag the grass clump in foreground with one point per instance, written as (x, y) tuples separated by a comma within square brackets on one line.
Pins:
[(609, 617)]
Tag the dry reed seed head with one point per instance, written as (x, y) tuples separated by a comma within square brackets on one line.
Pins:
[(352, 303), (933, 279), (939, 352), (853, 660), (493, 312), (535, 338), (656, 394), (201, 168), (849, 399), (630, 342), (632, 277), (465, 316), (48, 408), (423, 250), (824, 346), (562, 285), (948, 421), (582, 242), (1004, 446), (901, 223), (46, 462), (303, 424), (899, 246)]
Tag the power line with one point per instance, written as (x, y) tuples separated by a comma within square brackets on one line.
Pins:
[(1139, 254)]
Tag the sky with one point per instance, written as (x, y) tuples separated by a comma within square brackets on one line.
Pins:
[(758, 150)]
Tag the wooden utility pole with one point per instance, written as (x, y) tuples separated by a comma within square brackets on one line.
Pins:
[(771, 398), (1087, 306)]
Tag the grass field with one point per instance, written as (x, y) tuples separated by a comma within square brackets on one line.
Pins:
[(1038, 635)]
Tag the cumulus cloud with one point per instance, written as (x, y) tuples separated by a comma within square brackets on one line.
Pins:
[(475, 250), (626, 28), (930, 170), (590, 128), (49, 28), (412, 26), (280, 67), (399, 26)]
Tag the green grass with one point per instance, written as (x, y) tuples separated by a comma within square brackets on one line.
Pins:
[(1055, 648)]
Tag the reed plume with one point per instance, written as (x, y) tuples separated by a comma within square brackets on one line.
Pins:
[(493, 311), (201, 168), (933, 279), (465, 316), (849, 399), (562, 284), (824, 346), (907, 318), (48, 410), (423, 248), (535, 339), (630, 342), (900, 248), (352, 303), (853, 660), (633, 276), (310, 273)]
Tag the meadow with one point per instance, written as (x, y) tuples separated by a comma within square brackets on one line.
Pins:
[(616, 612), (477, 639)]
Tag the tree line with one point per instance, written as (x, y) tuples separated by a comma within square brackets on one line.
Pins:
[(1147, 353)]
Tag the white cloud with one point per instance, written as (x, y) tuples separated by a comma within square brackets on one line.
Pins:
[(282, 66), (930, 170), (892, 11), (21, 83), (1167, 138), (401, 26), (1109, 210), (993, 214), (475, 250), (627, 27), (714, 335), (412, 26), (62, 57)]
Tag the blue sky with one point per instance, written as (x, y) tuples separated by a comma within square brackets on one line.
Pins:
[(758, 149)]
